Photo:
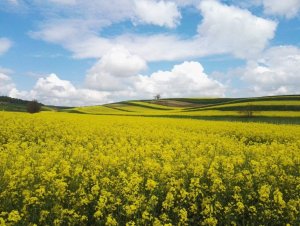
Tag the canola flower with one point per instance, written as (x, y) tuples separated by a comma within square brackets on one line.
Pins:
[(68, 169)]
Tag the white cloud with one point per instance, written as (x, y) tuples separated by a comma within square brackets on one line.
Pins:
[(275, 72), (162, 47), (187, 79), (5, 45), (223, 30), (229, 29), (184, 80), (54, 86), (85, 44), (8, 87), (6, 84), (64, 31), (52, 90), (161, 13), (287, 8), (121, 63), (158, 12), (114, 70)]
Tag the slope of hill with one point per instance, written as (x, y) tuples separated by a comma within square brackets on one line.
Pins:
[(275, 109), (279, 109), (12, 104), (18, 105)]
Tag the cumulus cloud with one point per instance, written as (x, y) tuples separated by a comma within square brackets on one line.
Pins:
[(229, 29), (223, 30), (287, 8), (275, 72), (76, 35), (161, 13), (52, 90), (114, 70), (8, 87), (124, 81), (184, 80), (151, 48), (155, 12), (5, 45), (121, 63), (6, 84)]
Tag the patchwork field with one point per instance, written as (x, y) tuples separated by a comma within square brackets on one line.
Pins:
[(274, 109), (80, 169)]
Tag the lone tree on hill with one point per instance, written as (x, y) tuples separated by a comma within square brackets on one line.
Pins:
[(157, 97), (33, 107), (247, 111)]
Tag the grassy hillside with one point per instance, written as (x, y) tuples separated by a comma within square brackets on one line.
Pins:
[(12, 104), (275, 109), (18, 105), (278, 109)]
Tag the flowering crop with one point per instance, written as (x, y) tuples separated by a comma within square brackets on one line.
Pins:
[(69, 169)]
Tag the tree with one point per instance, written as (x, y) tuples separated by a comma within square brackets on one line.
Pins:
[(157, 97), (33, 107), (247, 111)]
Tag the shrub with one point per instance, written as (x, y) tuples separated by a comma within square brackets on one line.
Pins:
[(33, 107), (248, 111)]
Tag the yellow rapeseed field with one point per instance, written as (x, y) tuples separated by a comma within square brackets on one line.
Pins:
[(68, 169)]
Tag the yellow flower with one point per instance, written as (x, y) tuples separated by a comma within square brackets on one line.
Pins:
[(278, 198), (150, 185), (264, 193), (240, 207), (14, 216), (110, 221), (183, 215), (210, 221)]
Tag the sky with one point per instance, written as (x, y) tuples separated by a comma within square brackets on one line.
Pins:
[(90, 52)]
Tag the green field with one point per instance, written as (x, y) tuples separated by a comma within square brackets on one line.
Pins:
[(275, 109), (272, 109), (18, 105)]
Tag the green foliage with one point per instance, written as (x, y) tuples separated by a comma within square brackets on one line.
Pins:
[(18, 105), (5, 99), (280, 109), (273, 109), (33, 107)]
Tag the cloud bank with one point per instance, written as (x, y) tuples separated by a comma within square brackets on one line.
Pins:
[(223, 30), (183, 80), (275, 72)]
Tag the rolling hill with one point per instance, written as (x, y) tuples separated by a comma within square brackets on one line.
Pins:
[(274, 109), (12, 104), (278, 109), (19, 105)]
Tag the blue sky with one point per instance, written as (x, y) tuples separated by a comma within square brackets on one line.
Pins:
[(85, 52)]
